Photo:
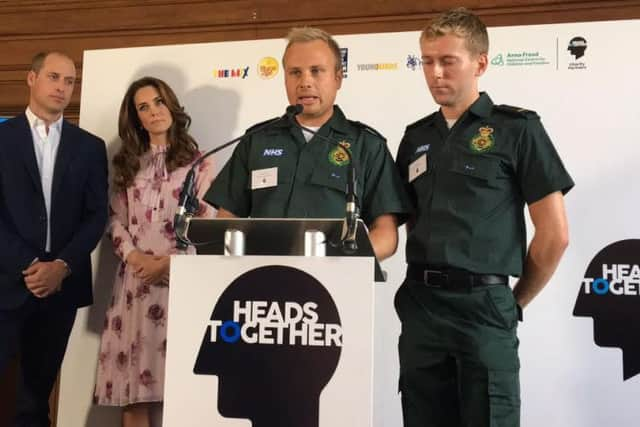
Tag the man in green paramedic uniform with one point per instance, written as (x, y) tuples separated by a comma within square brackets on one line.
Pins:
[(285, 172), (469, 169)]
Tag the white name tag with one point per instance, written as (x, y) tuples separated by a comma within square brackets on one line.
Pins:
[(418, 167), (264, 178)]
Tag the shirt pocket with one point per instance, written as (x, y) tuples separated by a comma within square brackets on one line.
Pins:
[(332, 179), (284, 165), (475, 167), (471, 184), (271, 201)]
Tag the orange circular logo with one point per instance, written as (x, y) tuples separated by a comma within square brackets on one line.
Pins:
[(268, 67)]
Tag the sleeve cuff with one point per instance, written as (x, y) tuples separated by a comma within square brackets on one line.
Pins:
[(66, 266)]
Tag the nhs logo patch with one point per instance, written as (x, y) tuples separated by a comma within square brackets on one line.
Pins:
[(423, 148), (273, 152)]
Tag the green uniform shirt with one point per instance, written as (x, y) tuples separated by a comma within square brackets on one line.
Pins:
[(469, 202), (311, 176)]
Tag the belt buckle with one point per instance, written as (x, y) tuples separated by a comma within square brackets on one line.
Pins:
[(436, 273)]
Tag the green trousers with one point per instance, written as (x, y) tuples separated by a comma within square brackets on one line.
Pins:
[(459, 363)]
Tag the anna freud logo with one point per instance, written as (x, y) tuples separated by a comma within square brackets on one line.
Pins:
[(274, 341), (610, 294)]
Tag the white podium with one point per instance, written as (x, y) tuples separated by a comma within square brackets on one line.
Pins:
[(270, 341)]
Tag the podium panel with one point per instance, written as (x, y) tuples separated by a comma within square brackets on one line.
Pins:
[(270, 341)]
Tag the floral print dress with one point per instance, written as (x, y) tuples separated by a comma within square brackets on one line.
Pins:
[(134, 340)]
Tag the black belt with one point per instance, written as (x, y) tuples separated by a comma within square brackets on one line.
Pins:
[(452, 278)]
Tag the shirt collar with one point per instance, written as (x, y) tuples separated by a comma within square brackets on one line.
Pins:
[(35, 121), (483, 106), (338, 122)]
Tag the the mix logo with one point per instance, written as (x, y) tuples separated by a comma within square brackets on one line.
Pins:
[(610, 294), (274, 340), (231, 73)]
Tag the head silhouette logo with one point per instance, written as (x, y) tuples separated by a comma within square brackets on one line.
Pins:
[(577, 46), (274, 340), (610, 293)]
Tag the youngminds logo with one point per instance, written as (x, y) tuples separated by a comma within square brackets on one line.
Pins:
[(274, 341), (385, 66), (610, 294)]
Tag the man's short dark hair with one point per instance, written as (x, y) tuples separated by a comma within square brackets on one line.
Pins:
[(38, 59)]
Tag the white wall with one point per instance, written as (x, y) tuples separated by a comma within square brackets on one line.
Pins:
[(591, 114)]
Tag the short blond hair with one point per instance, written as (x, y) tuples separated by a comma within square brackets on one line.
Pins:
[(460, 22), (309, 34)]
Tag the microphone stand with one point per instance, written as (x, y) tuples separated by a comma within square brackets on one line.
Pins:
[(352, 212), (188, 203)]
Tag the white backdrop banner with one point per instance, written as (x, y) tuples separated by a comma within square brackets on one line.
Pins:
[(583, 81)]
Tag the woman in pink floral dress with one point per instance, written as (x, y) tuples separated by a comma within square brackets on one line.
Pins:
[(148, 172)]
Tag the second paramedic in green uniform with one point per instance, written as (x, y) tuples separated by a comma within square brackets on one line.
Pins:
[(470, 169), (283, 172)]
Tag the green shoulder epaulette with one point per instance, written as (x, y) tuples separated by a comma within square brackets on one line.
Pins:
[(262, 123), (369, 129), (425, 120), (516, 111)]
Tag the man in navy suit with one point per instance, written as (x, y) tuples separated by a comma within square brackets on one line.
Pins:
[(53, 210)]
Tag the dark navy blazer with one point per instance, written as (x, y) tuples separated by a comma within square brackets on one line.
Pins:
[(79, 210)]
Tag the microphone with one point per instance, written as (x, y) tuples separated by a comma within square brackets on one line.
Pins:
[(294, 110), (188, 203), (349, 228)]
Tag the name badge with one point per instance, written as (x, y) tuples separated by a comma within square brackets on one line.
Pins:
[(418, 167), (264, 178)]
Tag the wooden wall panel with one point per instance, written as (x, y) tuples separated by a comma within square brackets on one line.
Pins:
[(73, 26), (29, 26)]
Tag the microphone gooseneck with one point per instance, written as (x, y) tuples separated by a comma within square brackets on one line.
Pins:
[(188, 202)]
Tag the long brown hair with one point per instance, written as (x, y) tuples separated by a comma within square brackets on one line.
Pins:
[(182, 148)]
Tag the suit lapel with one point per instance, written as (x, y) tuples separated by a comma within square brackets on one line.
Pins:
[(24, 144), (63, 158)]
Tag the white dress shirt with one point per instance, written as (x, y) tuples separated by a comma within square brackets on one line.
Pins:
[(45, 145)]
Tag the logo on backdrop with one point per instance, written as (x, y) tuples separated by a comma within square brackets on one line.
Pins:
[(414, 62), (274, 340), (520, 58), (497, 60), (385, 66), (231, 73), (577, 47), (610, 293), (344, 55), (268, 67)]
